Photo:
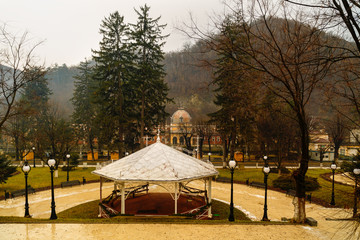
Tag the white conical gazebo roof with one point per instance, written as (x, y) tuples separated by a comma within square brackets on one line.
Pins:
[(157, 163)]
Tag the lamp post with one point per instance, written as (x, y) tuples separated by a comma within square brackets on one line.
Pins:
[(67, 169), (52, 163), (26, 169), (266, 171), (232, 165), (33, 148), (209, 155), (356, 172), (333, 168)]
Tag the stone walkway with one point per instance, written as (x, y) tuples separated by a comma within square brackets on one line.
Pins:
[(250, 200)]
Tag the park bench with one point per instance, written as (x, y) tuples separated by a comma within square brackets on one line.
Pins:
[(223, 179), (21, 192), (257, 184), (70, 183)]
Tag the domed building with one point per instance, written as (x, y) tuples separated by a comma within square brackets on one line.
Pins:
[(180, 126)]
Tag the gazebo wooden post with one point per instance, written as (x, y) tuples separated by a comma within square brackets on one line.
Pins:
[(122, 198), (209, 196), (176, 196)]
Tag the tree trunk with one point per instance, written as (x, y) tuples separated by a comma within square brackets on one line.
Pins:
[(299, 174), (279, 159), (120, 147), (336, 153), (201, 141), (209, 139), (299, 209), (17, 151), (120, 99), (91, 146), (142, 119), (232, 146), (225, 152)]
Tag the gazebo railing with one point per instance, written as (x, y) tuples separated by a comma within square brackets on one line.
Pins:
[(193, 191)]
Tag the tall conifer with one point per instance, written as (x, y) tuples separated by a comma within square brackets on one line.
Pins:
[(147, 41), (112, 74)]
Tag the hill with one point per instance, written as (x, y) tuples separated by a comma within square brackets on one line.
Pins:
[(188, 83)]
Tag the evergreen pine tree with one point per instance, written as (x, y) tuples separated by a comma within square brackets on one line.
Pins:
[(36, 96), (147, 41), (84, 109), (6, 170), (112, 73)]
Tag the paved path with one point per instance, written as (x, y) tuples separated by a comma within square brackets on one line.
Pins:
[(249, 200)]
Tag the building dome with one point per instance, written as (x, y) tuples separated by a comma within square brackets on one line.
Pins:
[(180, 116)]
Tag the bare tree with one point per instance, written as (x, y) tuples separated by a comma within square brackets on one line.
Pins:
[(201, 128), (16, 64), (277, 131), (342, 18), (336, 128), (187, 133), (340, 15), (58, 132), (209, 131), (289, 55)]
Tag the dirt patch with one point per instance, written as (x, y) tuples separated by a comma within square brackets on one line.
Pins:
[(157, 204)]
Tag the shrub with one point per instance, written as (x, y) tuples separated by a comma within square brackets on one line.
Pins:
[(284, 182), (74, 159), (284, 170), (288, 182), (311, 184), (6, 169), (348, 166), (65, 168)]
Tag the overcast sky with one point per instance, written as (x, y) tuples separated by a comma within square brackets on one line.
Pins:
[(70, 28)]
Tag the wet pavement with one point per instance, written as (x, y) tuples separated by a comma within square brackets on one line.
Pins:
[(250, 200)]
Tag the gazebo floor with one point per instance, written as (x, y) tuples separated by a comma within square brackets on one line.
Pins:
[(157, 204)]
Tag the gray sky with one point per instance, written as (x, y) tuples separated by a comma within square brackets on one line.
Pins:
[(69, 28)]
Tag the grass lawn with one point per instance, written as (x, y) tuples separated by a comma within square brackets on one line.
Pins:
[(344, 195), (88, 213), (40, 177), (90, 210), (252, 174)]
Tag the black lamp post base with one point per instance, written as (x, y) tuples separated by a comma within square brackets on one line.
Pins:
[(53, 212), (27, 214), (231, 216), (53, 216)]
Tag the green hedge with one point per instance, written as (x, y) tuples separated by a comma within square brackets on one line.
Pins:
[(286, 182)]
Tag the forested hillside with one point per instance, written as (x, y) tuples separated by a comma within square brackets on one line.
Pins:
[(61, 83), (188, 75), (187, 79)]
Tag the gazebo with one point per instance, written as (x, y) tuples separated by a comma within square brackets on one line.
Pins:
[(157, 164)]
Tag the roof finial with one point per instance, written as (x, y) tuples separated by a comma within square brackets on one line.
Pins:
[(158, 135)]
